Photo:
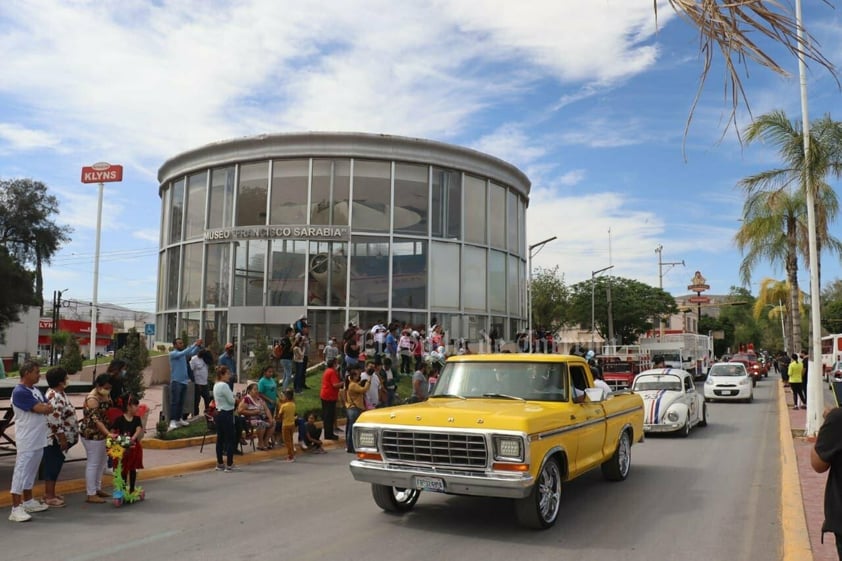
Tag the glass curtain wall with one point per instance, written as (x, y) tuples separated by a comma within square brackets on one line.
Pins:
[(372, 196), (177, 211), (194, 218), (446, 211), (217, 270), (249, 271), (252, 193), (191, 276), (330, 192), (411, 199), (221, 204), (369, 272), (328, 274), (409, 273), (289, 192), (287, 273)]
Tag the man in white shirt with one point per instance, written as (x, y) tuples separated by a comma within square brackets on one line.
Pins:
[(31, 433), (372, 395), (379, 334)]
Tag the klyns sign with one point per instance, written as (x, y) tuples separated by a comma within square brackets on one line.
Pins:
[(102, 172)]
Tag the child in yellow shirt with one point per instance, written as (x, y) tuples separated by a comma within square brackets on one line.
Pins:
[(286, 415)]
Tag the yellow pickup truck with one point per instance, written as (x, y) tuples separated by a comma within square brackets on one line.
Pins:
[(512, 426)]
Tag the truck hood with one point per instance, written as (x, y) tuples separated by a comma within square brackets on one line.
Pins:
[(489, 414)]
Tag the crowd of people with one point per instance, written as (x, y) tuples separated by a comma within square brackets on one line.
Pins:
[(46, 427)]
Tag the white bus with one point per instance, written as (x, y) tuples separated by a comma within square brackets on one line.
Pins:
[(831, 351)]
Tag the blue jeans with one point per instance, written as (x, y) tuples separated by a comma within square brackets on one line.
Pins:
[(299, 377), (351, 416), (177, 393), (226, 437), (286, 364)]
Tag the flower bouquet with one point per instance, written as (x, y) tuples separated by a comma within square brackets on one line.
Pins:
[(116, 446)]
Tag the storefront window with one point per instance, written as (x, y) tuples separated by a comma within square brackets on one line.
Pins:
[(409, 273), (497, 281), (330, 192), (221, 198), (475, 331), (372, 196), (190, 326), (475, 210), (446, 214), (173, 268), (474, 271), (328, 272), (170, 321), (216, 324), (411, 199), (286, 277), (289, 192), (249, 269), (251, 196), (197, 186), (444, 280), (513, 285), (217, 270), (370, 271), (497, 216), (177, 211), (191, 276), (512, 222)]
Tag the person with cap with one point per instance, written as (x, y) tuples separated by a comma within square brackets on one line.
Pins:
[(229, 361), (659, 361)]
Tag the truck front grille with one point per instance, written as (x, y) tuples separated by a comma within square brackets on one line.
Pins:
[(439, 448)]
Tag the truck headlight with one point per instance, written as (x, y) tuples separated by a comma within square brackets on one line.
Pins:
[(672, 416), (365, 438), (508, 448)]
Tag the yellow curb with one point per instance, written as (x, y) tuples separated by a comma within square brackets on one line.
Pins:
[(796, 538), (160, 444)]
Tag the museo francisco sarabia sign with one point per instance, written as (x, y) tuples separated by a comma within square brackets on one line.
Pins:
[(284, 232)]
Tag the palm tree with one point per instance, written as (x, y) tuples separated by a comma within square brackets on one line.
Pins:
[(732, 29), (774, 293), (781, 193), (762, 239)]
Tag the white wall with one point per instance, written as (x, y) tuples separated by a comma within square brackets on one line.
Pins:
[(21, 336)]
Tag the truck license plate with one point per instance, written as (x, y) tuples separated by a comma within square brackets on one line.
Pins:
[(430, 484)]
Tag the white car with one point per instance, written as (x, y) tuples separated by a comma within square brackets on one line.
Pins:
[(670, 401), (729, 380)]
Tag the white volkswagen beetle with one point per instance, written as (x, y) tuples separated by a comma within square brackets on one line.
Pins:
[(670, 401)]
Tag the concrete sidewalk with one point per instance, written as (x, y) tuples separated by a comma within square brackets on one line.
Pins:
[(809, 483), (163, 462)]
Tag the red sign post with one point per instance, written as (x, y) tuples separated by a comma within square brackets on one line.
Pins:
[(102, 172)]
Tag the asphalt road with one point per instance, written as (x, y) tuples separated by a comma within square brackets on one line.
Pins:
[(712, 496)]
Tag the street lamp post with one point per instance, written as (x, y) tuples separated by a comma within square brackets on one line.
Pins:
[(532, 251), (593, 302), (659, 250)]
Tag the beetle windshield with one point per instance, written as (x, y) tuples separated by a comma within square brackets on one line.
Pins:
[(657, 382), (520, 380)]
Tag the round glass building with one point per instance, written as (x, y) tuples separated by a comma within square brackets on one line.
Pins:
[(340, 227)]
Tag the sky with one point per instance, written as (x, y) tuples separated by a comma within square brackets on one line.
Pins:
[(589, 99)]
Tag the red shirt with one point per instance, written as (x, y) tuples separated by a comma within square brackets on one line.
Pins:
[(329, 392)]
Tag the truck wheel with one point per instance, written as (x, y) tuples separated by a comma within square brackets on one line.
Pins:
[(617, 468), (540, 509), (394, 499)]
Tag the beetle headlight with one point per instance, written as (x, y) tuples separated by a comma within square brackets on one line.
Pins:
[(365, 437), (709, 382), (672, 416), (508, 448)]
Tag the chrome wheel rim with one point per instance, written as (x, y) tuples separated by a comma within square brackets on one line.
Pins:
[(549, 491), (404, 495), (624, 454)]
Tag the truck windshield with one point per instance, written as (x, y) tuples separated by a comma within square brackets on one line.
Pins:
[(524, 380)]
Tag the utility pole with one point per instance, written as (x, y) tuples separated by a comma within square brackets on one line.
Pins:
[(659, 250), (610, 302)]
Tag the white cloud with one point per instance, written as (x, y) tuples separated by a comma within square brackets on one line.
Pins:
[(572, 177), (78, 208), (17, 137), (148, 235)]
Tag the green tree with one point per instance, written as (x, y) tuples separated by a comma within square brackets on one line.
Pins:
[(27, 229), (262, 356), (549, 299), (71, 355), (774, 228), (772, 303), (16, 294), (832, 307), (136, 355), (634, 305)]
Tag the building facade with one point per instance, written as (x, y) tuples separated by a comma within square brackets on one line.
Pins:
[(339, 227)]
